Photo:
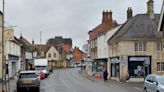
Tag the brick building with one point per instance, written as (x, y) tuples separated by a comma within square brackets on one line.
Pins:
[(78, 55)]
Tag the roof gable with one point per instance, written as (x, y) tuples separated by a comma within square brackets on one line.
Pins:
[(138, 27), (52, 49)]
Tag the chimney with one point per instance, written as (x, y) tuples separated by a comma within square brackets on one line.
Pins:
[(129, 13), (104, 17), (110, 15), (114, 23), (110, 19), (150, 10), (32, 41)]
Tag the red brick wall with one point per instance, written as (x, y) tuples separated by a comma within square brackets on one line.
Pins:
[(77, 55)]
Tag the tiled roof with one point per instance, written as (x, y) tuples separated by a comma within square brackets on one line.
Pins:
[(42, 47), (27, 45), (99, 29), (138, 27)]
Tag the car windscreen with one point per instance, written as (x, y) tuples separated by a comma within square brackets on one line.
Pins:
[(40, 68), (27, 75), (161, 80)]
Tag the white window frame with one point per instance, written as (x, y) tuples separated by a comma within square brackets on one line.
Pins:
[(160, 66), (159, 46), (140, 46)]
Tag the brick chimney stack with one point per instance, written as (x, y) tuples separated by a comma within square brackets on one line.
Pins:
[(150, 10), (129, 13), (107, 17), (33, 42)]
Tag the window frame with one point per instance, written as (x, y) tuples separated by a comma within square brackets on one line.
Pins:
[(140, 46)]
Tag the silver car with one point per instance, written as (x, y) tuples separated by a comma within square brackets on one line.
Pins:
[(28, 80), (154, 83)]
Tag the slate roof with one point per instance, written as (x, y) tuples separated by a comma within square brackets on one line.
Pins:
[(27, 45), (44, 47), (67, 41), (137, 28)]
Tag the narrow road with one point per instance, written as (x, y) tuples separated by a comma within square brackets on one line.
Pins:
[(69, 80)]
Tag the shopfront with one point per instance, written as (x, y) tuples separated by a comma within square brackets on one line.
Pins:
[(115, 67), (139, 66), (98, 66), (13, 65)]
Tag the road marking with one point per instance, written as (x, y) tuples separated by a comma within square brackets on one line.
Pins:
[(139, 89)]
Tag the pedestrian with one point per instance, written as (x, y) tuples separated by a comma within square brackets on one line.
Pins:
[(127, 75), (105, 75)]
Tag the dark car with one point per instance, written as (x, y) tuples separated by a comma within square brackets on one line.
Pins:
[(28, 80)]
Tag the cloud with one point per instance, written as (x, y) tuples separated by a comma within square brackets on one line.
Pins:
[(67, 18)]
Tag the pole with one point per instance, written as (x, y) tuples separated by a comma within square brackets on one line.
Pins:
[(4, 86), (40, 43)]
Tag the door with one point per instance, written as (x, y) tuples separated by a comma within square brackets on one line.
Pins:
[(13, 69)]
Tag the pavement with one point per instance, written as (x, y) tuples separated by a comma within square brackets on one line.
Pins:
[(136, 83), (12, 86)]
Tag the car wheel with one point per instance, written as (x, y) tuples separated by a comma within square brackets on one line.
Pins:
[(37, 89), (145, 90), (18, 89)]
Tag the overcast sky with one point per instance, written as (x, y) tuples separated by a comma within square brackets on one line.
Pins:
[(67, 18)]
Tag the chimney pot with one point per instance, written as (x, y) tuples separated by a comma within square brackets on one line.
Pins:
[(129, 13)]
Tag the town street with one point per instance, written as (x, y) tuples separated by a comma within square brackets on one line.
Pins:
[(69, 80)]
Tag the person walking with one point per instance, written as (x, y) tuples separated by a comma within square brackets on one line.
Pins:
[(105, 75)]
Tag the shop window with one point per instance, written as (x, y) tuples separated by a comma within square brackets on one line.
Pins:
[(159, 46), (140, 46)]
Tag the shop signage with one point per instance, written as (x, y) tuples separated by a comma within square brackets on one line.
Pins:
[(138, 58), (13, 57)]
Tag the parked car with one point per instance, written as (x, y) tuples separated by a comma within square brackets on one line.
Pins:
[(28, 80), (154, 83)]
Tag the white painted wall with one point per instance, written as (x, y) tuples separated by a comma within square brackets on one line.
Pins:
[(13, 49), (103, 49), (52, 50)]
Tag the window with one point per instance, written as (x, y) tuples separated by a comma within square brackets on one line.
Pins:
[(49, 55), (140, 46), (159, 46), (160, 66), (54, 54)]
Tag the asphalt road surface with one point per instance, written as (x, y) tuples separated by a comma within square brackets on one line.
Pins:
[(69, 80)]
